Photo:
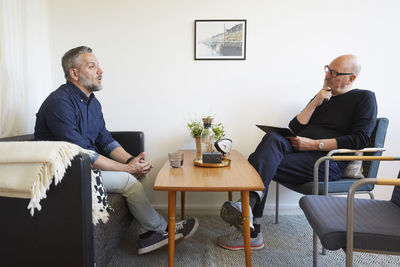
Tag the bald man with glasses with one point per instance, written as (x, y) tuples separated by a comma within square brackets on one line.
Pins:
[(338, 116)]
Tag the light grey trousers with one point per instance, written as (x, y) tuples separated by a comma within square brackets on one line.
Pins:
[(140, 207)]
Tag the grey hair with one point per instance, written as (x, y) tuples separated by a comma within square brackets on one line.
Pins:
[(71, 59)]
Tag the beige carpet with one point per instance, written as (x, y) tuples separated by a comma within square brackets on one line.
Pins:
[(288, 243)]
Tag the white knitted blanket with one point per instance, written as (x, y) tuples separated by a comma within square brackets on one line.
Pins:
[(27, 168)]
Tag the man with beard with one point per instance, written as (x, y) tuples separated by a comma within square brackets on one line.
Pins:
[(72, 113), (337, 117)]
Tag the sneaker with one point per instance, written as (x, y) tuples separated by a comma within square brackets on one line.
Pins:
[(187, 227), (235, 241), (231, 212), (154, 241)]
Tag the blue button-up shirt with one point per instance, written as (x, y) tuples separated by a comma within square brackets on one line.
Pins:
[(69, 115)]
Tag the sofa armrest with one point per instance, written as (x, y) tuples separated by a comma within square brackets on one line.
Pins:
[(26, 137), (63, 227), (132, 142)]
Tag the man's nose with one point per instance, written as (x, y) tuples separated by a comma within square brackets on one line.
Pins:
[(99, 71), (328, 74)]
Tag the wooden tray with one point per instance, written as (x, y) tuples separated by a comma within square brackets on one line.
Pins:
[(224, 163)]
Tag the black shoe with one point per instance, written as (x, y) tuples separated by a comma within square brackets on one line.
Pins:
[(154, 241), (187, 227)]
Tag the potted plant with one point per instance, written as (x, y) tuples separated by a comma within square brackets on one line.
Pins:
[(196, 127), (219, 130)]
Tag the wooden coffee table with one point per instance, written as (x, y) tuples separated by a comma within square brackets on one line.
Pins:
[(239, 176)]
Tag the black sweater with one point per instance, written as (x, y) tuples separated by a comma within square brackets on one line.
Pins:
[(350, 118)]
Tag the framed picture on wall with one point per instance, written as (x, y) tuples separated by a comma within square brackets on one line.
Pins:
[(220, 39)]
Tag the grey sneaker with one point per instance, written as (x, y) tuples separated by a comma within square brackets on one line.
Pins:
[(187, 227), (235, 241), (231, 212), (154, 241)]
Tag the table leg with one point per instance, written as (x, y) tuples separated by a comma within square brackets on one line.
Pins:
[(182, 205), (171, 226), (230, 195), (246, 226)]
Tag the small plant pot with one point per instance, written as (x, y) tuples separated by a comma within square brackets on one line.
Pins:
[(198, 147)]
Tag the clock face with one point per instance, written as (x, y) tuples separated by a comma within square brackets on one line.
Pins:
[(224, 145)]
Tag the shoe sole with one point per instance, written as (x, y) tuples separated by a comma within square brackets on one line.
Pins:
[(194, 229), (158, 245), (232, 216), (258, 247)]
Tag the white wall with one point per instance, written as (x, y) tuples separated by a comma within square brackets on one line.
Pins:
[(153, 84)]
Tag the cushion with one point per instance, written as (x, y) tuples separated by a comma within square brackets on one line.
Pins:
[(100, 207), (354, 168)]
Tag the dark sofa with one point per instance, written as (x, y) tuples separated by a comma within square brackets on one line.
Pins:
[(62, 233)]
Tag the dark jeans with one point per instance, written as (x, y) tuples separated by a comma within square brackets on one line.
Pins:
[(275, 159)]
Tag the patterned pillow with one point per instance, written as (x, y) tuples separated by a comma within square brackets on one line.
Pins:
[(100, 207), (354, 168)]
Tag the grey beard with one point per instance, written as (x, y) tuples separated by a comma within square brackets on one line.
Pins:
[(94, 88), (89, 85)]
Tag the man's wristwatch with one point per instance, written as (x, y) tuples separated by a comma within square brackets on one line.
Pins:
[(129, 160), (320, 146)]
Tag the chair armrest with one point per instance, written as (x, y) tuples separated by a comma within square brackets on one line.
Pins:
[(370, 168), (342, 151), (388, 181), (342, 158), (345, 150), (364, 158), (350, 208), (376, 181), (132, 142)]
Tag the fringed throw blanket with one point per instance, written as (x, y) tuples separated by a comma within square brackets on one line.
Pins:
[(28, 168)]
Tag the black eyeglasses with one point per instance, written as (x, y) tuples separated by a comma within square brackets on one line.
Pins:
[(335, 73)]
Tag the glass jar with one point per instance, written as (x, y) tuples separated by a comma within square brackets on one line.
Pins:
[(207, 136)]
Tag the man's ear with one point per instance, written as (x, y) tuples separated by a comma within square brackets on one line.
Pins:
[(352, 78), (73, 73)]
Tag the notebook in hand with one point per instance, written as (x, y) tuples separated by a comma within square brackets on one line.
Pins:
[(278, 130)]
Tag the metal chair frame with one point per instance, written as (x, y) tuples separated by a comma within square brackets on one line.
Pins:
[(350, 197), (326, 178), (377, 140)]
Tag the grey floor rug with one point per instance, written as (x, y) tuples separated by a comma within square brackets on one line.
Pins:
[(288, 243)]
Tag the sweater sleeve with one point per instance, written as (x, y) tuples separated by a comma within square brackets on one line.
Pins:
[(364, 120), (295, 125)]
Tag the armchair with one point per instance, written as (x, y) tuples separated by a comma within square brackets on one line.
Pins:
[(366, 225), (342, 186), (62, 233)]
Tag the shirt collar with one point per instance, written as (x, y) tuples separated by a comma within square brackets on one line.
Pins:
[(75, 90)]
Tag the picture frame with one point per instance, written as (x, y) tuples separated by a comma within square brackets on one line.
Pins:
[(220, 39)]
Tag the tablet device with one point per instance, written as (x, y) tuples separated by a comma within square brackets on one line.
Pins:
[(278, 130)]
